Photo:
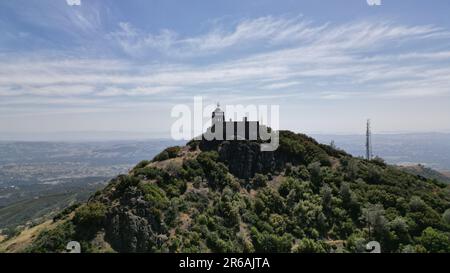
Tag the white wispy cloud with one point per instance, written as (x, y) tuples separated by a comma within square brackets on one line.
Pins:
[(269, 30), (281, 85), (289, 54), (136, 91)]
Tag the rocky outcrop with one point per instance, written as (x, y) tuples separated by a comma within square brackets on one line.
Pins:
[(128, 232), (131, 225), (245, 159)]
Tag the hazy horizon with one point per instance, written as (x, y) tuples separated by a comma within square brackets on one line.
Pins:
[(77, 136)]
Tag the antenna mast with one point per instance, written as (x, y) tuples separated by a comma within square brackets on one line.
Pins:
[(368, 141)]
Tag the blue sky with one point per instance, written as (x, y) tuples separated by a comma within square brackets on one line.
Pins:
[(91, 65)]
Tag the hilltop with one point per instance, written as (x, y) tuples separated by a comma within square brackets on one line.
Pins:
[(426, 172), (228, 196)]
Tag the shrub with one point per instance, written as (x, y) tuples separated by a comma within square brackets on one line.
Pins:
[(53, 240), (356, 243), (65, 212), (216, 173), (324, 159), (292, 148), (269, 199), (316, 173), (164, 155), (168, 153), (154, 195), (192, 169), (435, 241), (149, 173), (125, 182), (345, 193), (302, 173), (259, 181), (11, 232), (327, 195), (142, 164), (91, 215), (417, 204), (379, 161), (173, 187), (352, 169), (193, 145), (89, 219), (310, 246), (400, 231), (271, 243), (374, 215), (374, 175), (446, 217)]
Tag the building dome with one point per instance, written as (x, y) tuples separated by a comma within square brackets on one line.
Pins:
[(218, 110), (218, 116)]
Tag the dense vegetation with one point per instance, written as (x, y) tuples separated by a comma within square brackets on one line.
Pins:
[(313, 198)]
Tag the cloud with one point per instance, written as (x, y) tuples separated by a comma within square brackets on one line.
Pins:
[(52, 90), (270, 30), (270, 33), (289, 57), (73, 2), (281, 85), (134, 42), (136, 91)]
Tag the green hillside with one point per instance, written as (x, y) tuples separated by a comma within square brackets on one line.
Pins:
[(230, 197), (426, 172), (33, 210)]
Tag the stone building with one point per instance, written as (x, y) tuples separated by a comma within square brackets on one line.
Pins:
[(232, 130)]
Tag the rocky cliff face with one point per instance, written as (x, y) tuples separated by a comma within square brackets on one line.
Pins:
[(130, 225), (244, 159)]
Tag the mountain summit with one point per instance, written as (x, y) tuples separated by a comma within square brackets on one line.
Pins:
[(228, 196)]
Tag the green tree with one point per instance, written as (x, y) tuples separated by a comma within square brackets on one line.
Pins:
[(90, 215), (327, 196), (399, 233), (345, 193), (417, 204), (376, 221), (316, 174), (310, 246), (435, 241), (259, 181), (374, 175), (271, 243), (446, 217)]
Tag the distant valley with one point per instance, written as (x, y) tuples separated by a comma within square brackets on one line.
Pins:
[(38, 179)]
